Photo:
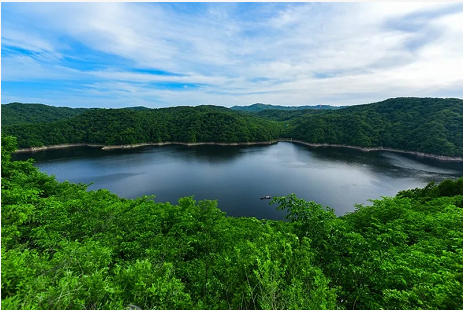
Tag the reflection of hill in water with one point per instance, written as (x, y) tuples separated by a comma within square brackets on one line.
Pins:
[(73, 152), (387, 163), (394, 165), (200, 153), (215, 153), (239, 175)]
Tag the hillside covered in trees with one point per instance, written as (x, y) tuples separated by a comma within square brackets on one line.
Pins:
[(428, 125), (20, 113), (128, 126), (64, 247)]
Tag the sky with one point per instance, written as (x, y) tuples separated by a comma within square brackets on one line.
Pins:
[(113, 55)]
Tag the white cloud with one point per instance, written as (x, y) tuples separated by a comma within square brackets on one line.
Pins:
[(288, 54), (19, 68)]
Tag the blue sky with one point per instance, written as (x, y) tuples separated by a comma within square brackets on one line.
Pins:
[(170, 54)]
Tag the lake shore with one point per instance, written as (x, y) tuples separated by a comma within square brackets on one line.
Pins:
[(374, 149), (56, 147), (131, 146)]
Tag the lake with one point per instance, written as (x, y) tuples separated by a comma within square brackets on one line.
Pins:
[(237, 176)]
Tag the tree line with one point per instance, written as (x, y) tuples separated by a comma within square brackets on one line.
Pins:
[(127, 126), (20, 113), (428, 125)]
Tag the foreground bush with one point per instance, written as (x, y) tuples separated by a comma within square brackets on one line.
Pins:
[(64, 247)]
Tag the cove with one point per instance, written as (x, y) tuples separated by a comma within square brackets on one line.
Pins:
[(237, 176)]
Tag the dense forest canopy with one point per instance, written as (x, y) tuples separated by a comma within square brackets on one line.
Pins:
[(64, 247), (21, 113), (127, 126), (428, 125)]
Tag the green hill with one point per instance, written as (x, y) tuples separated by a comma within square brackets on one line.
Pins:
[(126, 126), (428, 125), (26, 113)]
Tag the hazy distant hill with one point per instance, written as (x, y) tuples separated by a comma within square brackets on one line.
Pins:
[(26, 113), (257, 107), (139, 108)]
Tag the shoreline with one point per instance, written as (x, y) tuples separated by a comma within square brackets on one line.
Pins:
[(131, 146), (375, 149), (56, 147)]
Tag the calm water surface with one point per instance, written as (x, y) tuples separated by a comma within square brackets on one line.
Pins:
[(237, 176)]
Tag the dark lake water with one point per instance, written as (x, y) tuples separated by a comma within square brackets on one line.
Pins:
[(237, 176)]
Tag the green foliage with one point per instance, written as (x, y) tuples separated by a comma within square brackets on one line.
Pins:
[(400, 253), (412, 253), (429, 125), (64, 247), (127, 126), (447, 188), (20, 113)]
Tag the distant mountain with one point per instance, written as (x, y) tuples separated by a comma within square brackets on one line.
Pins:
[(428, 125), (257, 107), (29, 113), (139, 108)]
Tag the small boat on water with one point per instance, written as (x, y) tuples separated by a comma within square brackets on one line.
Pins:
[(266, 197)]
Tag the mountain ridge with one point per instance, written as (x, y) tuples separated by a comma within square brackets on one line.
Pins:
[(425, 125)]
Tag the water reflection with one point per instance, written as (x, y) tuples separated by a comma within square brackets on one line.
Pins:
[(198, 153), (212, 154), (237, 176), (49, 155), (394, 165)]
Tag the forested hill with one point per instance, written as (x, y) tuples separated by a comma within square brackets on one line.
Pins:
[(428, 125), (257, 107), (23, 113), (128, 126)]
